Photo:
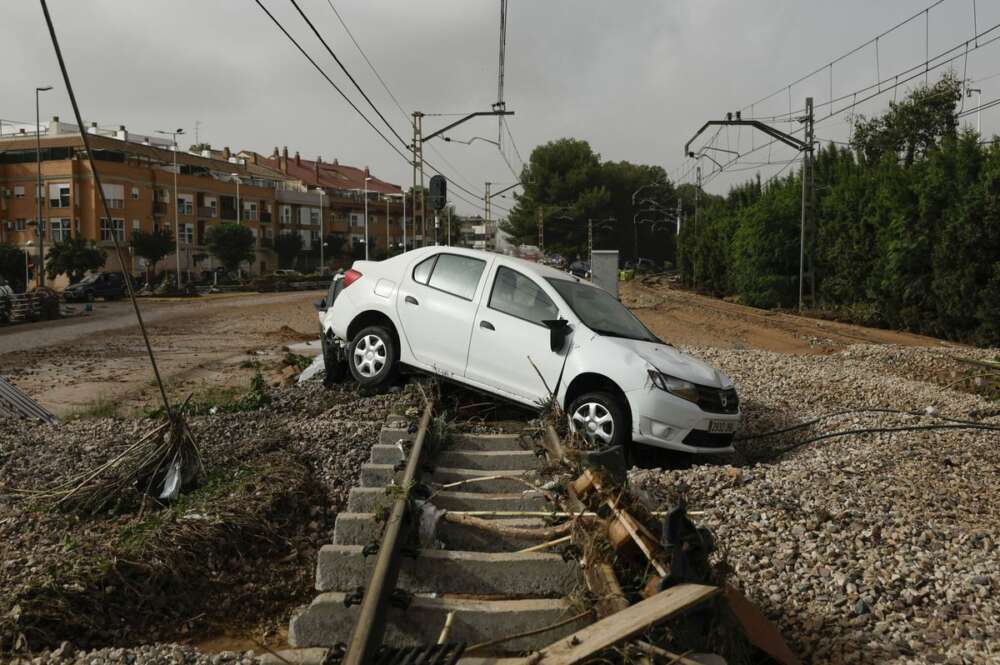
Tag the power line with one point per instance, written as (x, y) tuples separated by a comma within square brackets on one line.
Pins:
[(385, 86), (329, 80), (851, 52), (347, 73)]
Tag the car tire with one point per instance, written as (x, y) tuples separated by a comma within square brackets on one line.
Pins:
[(600, 418), (372, 357), (334, 364)]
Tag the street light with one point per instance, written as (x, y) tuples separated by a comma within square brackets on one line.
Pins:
[(26, 254), (40, 229), (979, 111), (177, 228), (367, 178), (322, 234)]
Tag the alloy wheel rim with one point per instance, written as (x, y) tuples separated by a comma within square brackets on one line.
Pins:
[(594, 422), (369, 356)]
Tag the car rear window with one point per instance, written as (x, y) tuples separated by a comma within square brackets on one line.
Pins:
[(457, 275)]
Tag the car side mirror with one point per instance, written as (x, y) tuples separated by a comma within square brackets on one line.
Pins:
[(559, 330), (320, 305)]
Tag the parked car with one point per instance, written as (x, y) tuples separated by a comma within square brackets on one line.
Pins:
[(283, 272), (580, 269), (107, 285), (518, 330), (646, 265)]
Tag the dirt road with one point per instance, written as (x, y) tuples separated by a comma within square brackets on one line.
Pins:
[(98, 361), (688, 319)]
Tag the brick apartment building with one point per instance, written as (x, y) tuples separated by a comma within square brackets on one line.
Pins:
[(271, 195)]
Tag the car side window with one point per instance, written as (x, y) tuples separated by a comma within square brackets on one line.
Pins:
[(457, 275), (517, 295), (423, 270)]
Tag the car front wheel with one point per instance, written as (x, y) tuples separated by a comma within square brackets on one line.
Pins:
[(600, 419), (372, 357)]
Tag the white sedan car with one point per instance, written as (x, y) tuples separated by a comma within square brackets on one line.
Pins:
[(525, 332)]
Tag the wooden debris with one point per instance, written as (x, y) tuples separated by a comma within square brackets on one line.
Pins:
[(624, 624)]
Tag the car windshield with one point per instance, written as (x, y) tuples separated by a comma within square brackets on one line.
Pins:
[(89, 279), (601, 312)]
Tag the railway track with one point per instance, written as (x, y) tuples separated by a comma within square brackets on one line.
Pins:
[(453, 549)]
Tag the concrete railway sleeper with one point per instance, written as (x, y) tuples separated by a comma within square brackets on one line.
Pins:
[(458, 551)]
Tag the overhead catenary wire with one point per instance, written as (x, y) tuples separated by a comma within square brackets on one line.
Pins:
[(346, 72), (323, 73)]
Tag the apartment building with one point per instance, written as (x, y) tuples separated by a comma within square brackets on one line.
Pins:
[(271, 196)]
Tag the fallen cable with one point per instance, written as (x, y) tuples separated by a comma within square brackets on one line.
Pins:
[(880, 430), (529, 633), (837, 414)]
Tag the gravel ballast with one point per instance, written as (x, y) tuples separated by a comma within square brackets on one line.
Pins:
[(865, 548)]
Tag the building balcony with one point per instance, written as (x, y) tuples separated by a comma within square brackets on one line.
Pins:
[(206, 211), (265, 217), (249, 215), (159, 207), (228, 213)]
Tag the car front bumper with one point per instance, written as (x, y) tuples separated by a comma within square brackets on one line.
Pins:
[(663, 420)]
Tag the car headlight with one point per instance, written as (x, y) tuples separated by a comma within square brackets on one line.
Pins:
[(674, 386)]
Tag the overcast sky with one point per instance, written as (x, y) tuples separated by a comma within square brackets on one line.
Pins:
[(635, 79)]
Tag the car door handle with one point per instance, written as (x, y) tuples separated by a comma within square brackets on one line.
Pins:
[(411, 300), (487, 325)]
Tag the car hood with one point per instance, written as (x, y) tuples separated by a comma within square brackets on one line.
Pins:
[(671, 361)]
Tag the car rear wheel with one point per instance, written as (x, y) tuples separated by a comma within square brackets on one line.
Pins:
[(372, 357), (600, 419)]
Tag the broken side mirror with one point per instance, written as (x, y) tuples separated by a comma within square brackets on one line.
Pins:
[(559, 330), (320, 305)]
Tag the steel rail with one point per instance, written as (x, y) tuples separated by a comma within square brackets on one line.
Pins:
[(369, 630)]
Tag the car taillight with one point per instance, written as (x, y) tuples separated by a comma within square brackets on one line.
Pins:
[(350, 277)]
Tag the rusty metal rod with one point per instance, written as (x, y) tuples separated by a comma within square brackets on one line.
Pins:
[(368, 632)]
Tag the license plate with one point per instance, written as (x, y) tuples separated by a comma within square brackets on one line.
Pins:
[(722, 426)]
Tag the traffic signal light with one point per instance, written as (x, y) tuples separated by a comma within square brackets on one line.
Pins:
[(439, 192)]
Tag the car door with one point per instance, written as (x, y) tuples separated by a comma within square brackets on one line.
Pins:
[(436, 304), (509, 340)]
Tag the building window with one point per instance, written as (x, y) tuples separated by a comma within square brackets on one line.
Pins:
[(115, 194), (286, 214), (60, 229), (135, 193), (20, 224), (19, 192), (187, 233), (250, 210), (58, 196), (357, 221), (185, 204), (76, 226), (119, 229), (136, 226)]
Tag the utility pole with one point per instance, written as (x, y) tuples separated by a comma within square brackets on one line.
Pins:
[(418, 177), (807, 233), (541, 230), (388, 247), (449, 227), (177, 228), (804, 145), (679, 212), (402, 197), (486, 202)]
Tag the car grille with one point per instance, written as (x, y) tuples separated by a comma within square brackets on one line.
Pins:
[(702, 439), (718, 400)]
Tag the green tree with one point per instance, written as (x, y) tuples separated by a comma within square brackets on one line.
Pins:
[(287, 246), (73, 257), (231, 244), (153, 247), (12, 262)]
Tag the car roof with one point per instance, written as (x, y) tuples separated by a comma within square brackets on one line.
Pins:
[(540, 270)]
